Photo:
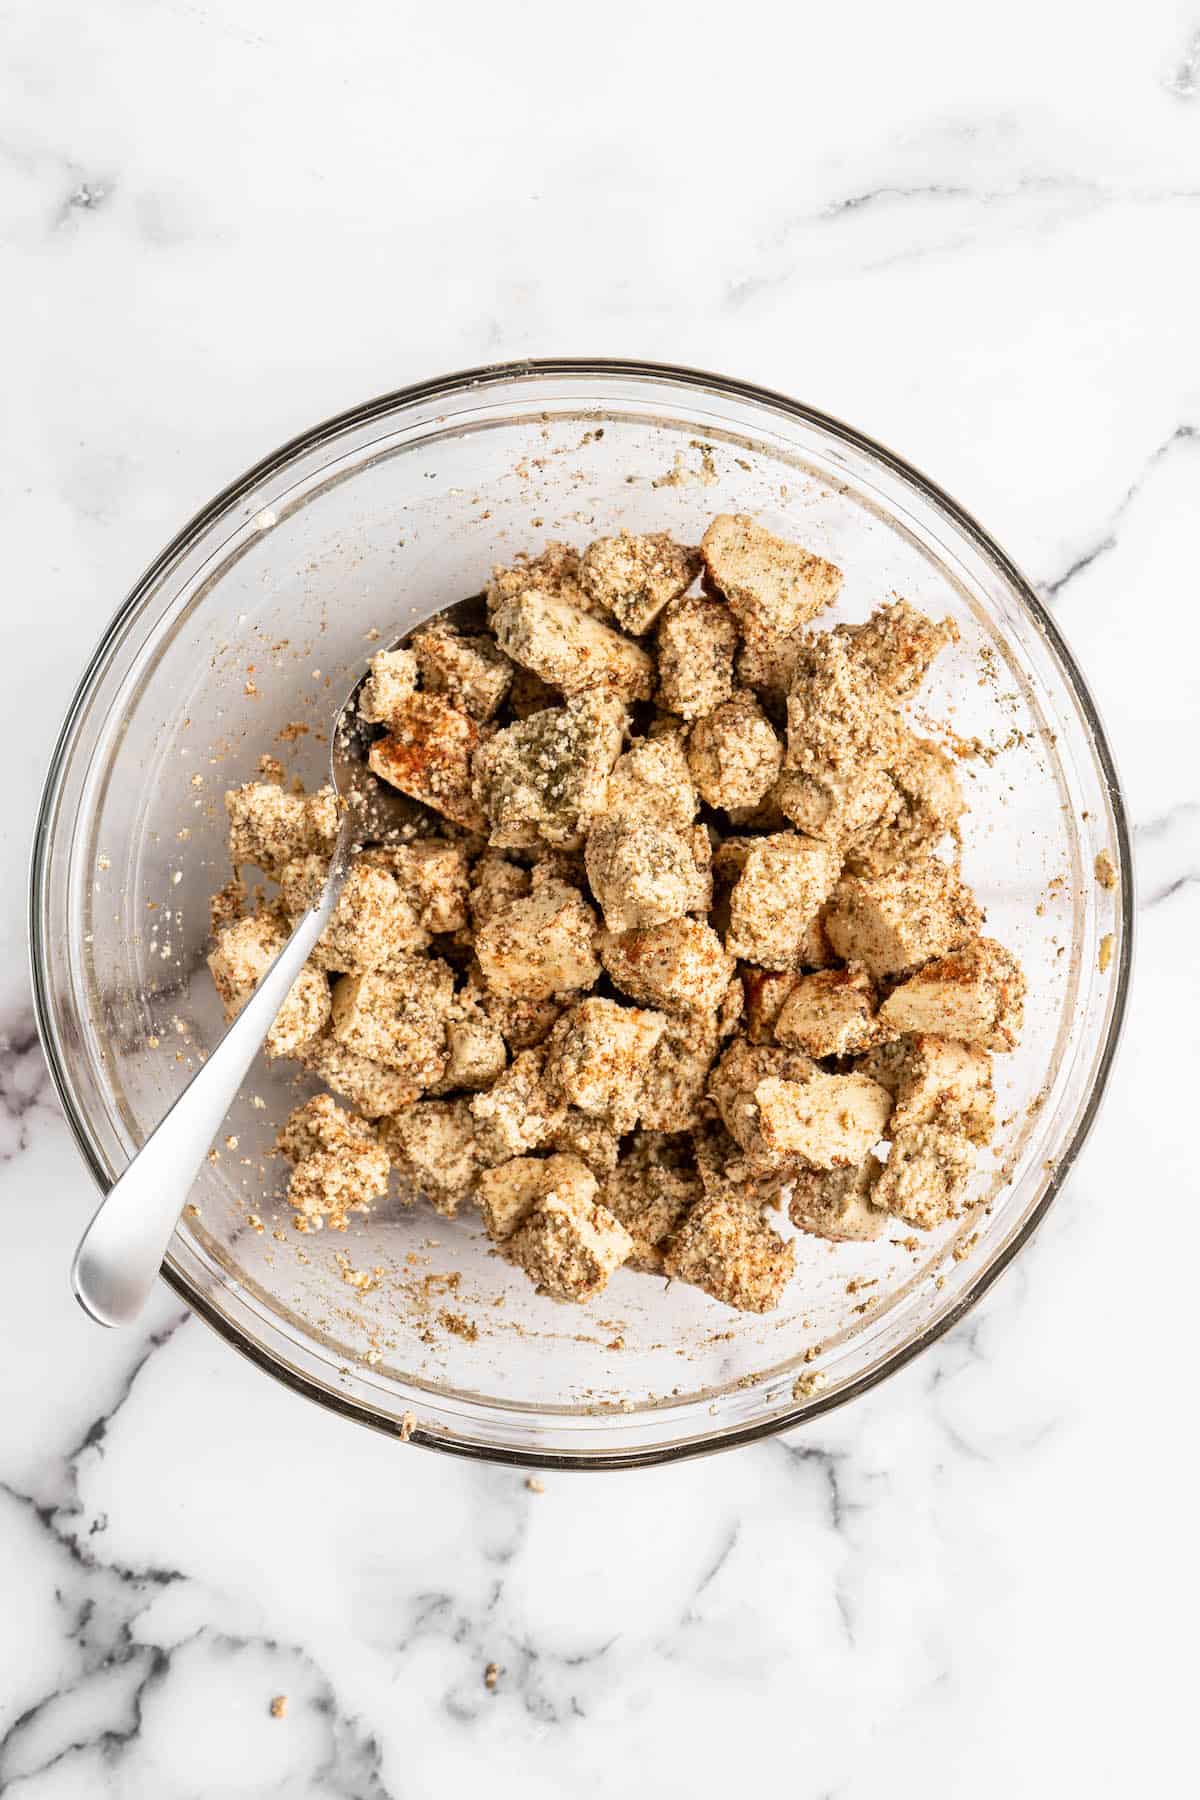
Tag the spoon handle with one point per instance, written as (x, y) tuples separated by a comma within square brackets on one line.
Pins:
[(121, 1251)]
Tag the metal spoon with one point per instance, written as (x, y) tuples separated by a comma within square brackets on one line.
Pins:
[(121, 1251)]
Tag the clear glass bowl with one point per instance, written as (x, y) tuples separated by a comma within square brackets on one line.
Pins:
[(247, 630)]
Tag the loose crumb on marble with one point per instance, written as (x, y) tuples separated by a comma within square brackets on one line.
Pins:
[(535, 1484), (491, 1677), (279, 1706)]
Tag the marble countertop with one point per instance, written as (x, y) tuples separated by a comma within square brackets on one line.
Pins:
[(972, 234)]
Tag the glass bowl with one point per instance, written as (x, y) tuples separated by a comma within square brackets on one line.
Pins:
[(242, 637)]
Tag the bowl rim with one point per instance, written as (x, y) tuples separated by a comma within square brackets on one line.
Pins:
[(688, 379)]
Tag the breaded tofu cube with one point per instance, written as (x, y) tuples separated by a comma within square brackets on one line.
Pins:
[(392, 679), (338, 1164), (399, 1019), (697, 639), (725, 1247), (541, 945), (929, 804), (268, 827), (494, 882), (650, 783), (243, 953), (476, 1052), (733, 754), (523, 1024), (644, 874), (427, 755), (554, 570), (830, 1121), (469, 670), (434, 875), (519, 1111), (635, 577), (893, 923), (507, 1192), (571, 650), (840, 723), (975, 994), (837, 1203), (321, 1124), (925, 1175), (432, 1146), (767, 661), (768, 582), (568, 1243), (674, 1079), (898, 645), (765, 991), (840, 809), (650, 1198), (785, 879), (734, 1083), (725, 1169), (369, 1086), (595, 1056), (373, 921), (593, 1141), (830, 1013), (543, 779), (936, 1081), (678, 967)]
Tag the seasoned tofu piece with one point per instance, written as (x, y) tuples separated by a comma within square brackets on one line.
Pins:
[(830, 1013), (555, 571), (768, 582), (593, 1141), (432, 1146), (373, 921), (830, 1121), (398, 1020), (895, 922), (975, 994), (635, 577), (523, 1024), (767, 661), (475, 1048), (840, 723), (568, 1243), (697, 638), (542, 945), (494, 882), (733, 754), (733, 1087), (765, 992), (369, 1086), (785, 879), (674, 1078), (268, 827), (936, 1081), (929, 804), (226, 905), (386, 690), (243, 953), (842, 810), (427, 755), (725, 1247), (650, 1198), (509, 1192), (595, 1056), (925, 1175), (434, 875), (338, 1165), (519, 1111), (725, 1169), (542, 780), (644, 874), (469, 670), (838, 1203), (680, 966), (898, 644), (570, 649), (651, 784)]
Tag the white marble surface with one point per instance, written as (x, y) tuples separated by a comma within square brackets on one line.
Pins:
[(974, 235)]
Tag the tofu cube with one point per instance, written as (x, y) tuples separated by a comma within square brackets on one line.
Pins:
[(785, 879), (427, 755), (268, 827), (767, 661), (470, 671), (697, 640), (542, 780), (674, 1078), (830, 1013), (542, 945), (434, 876), (925, 1175), (595, 1056), (733, 1084), (338, 1163), (321, 1124), (571, 650), (386, 691), (650, 1198), (373, 922), (838, 1203), (840, 723), (519, 1111), (975, 994), (432, 1146), (679, 967), (842, 810), (651, 785), (768, 582), (476, 1052), (555, 570), (398, 1020), (725, 1247), (568, 1243), (494, 882), (644, 874), (936, 1081), (830, 1121), (733, 754), (893, 923), (928, 806), (635, 577), (243, 953), (898, 644), (369, 1086), (593, 1141)]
